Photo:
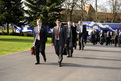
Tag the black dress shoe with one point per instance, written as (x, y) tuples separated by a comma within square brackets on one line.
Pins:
[(45, 60), (68, 56), (59, 64), (71, 56), (37, 63)]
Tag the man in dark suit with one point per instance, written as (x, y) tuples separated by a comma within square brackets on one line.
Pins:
[(40, 38), (59, 38), (101, 37), (116, 37), (107, 38), (81, 29), (85, 36), (92, 38), (96, 36), (74, 33), (69, 40)]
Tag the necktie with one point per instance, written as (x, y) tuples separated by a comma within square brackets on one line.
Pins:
[(38, 34), (57, 33)]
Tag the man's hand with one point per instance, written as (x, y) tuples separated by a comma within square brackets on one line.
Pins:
[(52, 44), (78, 32)]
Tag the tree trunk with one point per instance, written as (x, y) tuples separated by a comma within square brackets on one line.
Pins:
[(7, 28), (96, 10), (70, 17), (12, 28)]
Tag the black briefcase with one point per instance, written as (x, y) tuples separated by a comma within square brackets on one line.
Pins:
[(64, 51)]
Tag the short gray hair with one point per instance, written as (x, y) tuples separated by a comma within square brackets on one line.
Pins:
[(69, 22)]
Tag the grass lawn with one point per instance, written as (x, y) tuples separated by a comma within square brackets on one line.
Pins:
[(10, 44)]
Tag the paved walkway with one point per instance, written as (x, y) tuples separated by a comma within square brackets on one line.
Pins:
[(95, 63)]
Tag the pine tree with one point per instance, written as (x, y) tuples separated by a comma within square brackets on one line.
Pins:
[(53, 7), (11, 12), (47, 10), (34, 9)]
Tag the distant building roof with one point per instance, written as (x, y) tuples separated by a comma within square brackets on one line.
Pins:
[(89, 8)]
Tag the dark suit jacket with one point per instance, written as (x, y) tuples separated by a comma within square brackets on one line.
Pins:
[(43, 34), (69, 40), (108, 35), (71, 34), (62, 35), (92, 35), (74, 30)]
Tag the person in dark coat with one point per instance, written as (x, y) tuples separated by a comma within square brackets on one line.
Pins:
[(81, 29), (119, 38), (111, 38), (96, 36), (74, 33), (69, 40), (107, 38), (92, 38), (59, 40), (116, 37), (101, 34), (40, 39), (85, 36)]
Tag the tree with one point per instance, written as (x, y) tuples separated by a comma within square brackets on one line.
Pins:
[(47, 10), (11, 12), (75, 6), (69, 5), (51, 12), (115, 7)]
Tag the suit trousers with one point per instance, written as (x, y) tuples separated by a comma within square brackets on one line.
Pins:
[(116, 41), (81, 43), (107, 40), (69, 47), (39, 47), (59, 51)]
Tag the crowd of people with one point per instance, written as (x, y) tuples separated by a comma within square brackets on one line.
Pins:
[(108, 38), (64, 39)]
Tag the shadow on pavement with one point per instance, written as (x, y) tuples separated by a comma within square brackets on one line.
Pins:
[(98, 58), (82, 66), (89, 66), (103, 51)]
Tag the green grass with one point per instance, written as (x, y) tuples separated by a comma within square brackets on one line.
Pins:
[(10, 44)]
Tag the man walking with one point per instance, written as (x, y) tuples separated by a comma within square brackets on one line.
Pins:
[(116, 37), (40, 38), (69, 40), (59, 38), (107, 38), (81, 29), (74, 33), (92, 38)]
